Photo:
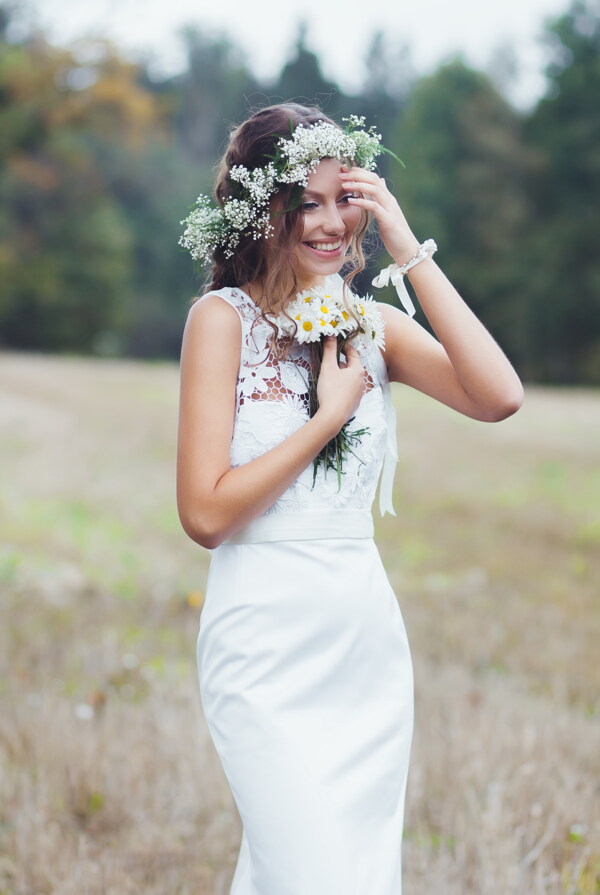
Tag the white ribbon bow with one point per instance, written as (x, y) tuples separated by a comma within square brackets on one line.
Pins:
[(392, 272)]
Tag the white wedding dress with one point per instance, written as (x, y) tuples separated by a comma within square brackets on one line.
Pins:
[(303, 661)]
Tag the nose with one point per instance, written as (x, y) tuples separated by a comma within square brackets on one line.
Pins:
[(332, 222)]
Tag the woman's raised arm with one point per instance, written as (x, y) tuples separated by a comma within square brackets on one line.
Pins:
[(465, 369), (214, 500)]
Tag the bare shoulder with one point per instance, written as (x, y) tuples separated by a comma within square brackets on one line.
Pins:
[(213, 311), (210, 347)]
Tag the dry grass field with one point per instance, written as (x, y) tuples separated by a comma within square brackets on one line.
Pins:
[(109, 784)]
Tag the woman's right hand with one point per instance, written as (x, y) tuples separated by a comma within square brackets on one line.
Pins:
[(340, 386)]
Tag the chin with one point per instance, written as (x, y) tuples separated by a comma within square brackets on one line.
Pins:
[(310, 267)]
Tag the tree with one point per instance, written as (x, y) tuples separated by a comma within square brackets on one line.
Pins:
[(302, 80), (65, 247), (464, 185), (563, 264), (92, 188), (211, 94)]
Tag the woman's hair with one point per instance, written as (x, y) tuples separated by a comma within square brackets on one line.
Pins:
[(271, 261)]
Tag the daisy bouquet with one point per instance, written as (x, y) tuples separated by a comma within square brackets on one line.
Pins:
[(309, 318)]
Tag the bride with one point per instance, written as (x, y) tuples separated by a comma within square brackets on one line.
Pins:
[(286, 422)]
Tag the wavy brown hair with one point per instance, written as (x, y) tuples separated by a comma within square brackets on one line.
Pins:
[(271, 261)]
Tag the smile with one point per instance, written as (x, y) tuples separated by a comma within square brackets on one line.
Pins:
[(325, 246)]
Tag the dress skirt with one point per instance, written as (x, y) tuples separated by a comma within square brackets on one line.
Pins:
[(307, 689)]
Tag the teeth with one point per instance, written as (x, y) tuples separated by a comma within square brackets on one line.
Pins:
[(325, 246)]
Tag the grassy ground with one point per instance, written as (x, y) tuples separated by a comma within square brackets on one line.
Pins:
[(109, 784)]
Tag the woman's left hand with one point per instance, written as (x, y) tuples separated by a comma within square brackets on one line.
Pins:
[(396, 234)]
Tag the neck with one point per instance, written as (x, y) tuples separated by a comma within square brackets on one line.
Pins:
[(256, 290)]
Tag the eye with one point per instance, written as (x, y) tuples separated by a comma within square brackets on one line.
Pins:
[(306, 206), (347, 196)]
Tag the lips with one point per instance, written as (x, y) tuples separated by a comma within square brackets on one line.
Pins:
[(326, 249), (325, 246)]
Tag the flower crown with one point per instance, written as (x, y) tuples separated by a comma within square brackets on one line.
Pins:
[(210, 226)]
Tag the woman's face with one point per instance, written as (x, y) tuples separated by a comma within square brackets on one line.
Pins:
[(329, 224)]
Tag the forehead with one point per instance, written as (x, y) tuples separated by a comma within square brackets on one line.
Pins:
[(325, 176)]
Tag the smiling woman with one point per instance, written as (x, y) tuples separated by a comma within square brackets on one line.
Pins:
[(260, 189), (285, 424)]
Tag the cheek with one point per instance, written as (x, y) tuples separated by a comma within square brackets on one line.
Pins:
[(304, 229), (352, 217)]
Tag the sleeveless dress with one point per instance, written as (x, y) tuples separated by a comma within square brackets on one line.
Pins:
[(303, 661)]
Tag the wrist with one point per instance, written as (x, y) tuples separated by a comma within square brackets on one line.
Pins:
[(407, 253), (328, 423), (396, 272), (422, 265)]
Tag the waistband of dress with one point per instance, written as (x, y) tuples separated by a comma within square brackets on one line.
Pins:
[(306, 526)]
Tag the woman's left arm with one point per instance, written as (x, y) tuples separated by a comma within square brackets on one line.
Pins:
[(465, 369)]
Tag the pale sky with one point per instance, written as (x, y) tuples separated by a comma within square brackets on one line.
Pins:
[(338, 30)]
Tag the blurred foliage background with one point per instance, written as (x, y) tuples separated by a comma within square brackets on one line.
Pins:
[(100, 160)]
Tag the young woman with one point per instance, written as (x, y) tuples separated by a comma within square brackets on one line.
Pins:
[(304, 666)]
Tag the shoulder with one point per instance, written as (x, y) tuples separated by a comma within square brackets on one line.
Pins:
[(212, 330), (215, 311)]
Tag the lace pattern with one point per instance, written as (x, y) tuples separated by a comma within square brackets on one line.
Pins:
[(273, 402)]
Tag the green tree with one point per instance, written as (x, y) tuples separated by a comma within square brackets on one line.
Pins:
[(211, 95), (464, 185), (64, 245), (563, 264), (301, 78)]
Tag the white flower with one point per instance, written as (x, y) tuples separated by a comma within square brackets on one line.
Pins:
[(322, 311), (309, 329), (371, 321)]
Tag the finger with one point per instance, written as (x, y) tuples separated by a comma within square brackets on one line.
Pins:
[(329, 351), (360, 173), (352, 355), (353, 181), (377, 191), (381, 213)]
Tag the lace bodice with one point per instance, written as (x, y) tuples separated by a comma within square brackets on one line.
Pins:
[(273, 402)]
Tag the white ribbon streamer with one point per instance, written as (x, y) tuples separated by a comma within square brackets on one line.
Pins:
[(392, 272), (391, 451), (390, 459)]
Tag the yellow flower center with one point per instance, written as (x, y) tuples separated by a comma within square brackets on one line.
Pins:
[(307, 325), (345, 315), (323, 322), (334, 322), (324, 309), (307, 300), (298, 316), (360, 310)]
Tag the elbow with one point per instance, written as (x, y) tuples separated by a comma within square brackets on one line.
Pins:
[(202, 530), (209, 539), (506, 405)]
